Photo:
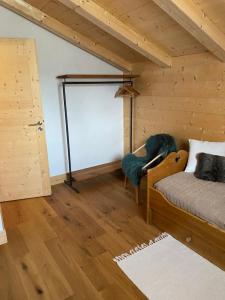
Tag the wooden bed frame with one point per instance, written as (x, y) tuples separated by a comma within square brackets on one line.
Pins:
[(206, 239)]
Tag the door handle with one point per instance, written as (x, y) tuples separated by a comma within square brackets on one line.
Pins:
[(39, 123)]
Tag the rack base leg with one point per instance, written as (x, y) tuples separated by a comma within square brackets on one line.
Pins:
[(70, 184)]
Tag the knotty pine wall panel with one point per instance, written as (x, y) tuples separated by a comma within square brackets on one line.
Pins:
[(186, 101)]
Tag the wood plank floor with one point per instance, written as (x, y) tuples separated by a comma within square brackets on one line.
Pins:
[(61, 247)]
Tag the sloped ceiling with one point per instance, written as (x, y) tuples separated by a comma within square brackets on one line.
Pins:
[(68, 17), (215, 10), (145, 17), (148, 19)]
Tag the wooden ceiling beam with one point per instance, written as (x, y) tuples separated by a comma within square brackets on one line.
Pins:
[(105, 20), (43, 20), (195, 21)]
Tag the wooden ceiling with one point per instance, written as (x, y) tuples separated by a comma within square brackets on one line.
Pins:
[(215, 10), (151, 21), (66, 16), (128, 31)]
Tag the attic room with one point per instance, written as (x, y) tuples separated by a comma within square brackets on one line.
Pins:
[(112, 165)]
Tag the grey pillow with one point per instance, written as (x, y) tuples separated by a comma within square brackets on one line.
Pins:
[(210, 167)]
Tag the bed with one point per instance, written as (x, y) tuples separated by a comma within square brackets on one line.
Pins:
[(190, 209)]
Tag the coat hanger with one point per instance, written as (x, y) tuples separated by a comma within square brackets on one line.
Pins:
[(126, 91)]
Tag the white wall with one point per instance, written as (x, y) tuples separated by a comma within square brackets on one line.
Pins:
[(96, 118)]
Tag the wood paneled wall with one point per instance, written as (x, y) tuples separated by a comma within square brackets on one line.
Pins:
[(187, 100)]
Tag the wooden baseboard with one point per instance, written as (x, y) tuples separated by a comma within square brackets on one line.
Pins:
[(57, 179), (88, 172), (3, 237)]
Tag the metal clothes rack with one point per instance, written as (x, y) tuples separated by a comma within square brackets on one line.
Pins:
[(75, 80)]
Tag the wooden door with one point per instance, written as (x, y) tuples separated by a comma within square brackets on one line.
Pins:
[(23, 156)]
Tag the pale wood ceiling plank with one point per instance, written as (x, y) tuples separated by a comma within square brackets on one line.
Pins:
[(190, 17), (75, 21), (152, 22), (104, 19), (38, 17)]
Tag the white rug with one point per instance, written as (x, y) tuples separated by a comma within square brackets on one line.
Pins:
[(165, 269)]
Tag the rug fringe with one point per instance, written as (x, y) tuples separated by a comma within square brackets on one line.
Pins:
[(140, 247)]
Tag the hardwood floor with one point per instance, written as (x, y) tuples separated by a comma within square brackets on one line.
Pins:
[(61, 247)]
